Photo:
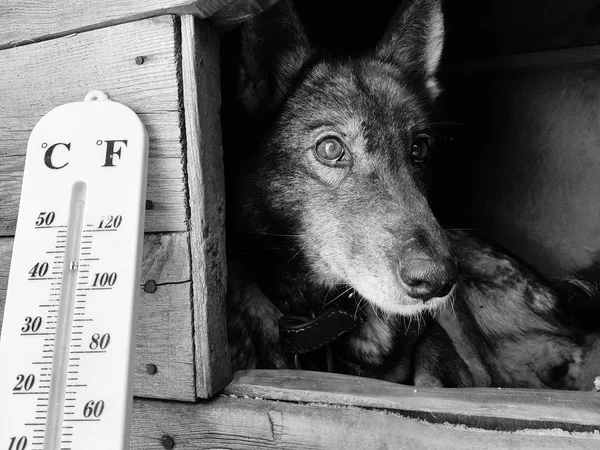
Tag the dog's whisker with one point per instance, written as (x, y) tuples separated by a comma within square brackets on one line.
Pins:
[(358, 306), (310, 272), (327, 295), (376, 315), (337, 296), (451, 305), (420, 320), (278, 234), (296, 254), (398, 326), (441, 123), (404, 326)]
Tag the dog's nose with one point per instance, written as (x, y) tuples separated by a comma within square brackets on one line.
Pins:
[(427, 278)]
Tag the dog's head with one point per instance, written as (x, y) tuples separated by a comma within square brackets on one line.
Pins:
[(342, 166)]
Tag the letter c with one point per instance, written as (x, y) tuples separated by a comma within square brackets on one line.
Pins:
[(48, 155)]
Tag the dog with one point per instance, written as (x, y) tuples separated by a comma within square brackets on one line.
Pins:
[(343, 265)]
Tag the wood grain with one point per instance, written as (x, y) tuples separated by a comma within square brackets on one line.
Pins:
[(246, 423), (164, 334), (37, 78), (535, 60), (523, 173), (237, 13), (205, 183), (481, 407), (26, 21)]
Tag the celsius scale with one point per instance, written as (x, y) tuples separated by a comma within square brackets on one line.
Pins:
[(68, 335)]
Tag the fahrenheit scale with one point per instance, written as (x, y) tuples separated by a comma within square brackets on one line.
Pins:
[(68, 333)]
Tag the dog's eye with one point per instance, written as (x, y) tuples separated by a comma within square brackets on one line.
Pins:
[(420, 150), (329, 150)]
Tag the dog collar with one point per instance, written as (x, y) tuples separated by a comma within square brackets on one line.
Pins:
[(299, 334)]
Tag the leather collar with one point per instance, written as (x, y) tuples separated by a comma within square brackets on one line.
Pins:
[(299, 334)]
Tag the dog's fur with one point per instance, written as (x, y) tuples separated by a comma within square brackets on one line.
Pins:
[(316, 229)]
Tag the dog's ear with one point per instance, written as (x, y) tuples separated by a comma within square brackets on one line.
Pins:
[(414, 40), (274, 50)]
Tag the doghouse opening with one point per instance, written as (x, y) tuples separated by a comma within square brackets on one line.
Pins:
[(515, 160)]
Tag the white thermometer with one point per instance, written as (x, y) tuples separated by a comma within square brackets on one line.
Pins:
[(68, 335)]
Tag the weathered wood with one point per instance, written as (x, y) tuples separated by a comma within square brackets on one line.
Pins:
[(535, 60), (26, 21), (238, 12), (496, 408), (524, 171), (164, 334), (166, 190), (245, 423), (37, 78), (6, 245), (205, 182)]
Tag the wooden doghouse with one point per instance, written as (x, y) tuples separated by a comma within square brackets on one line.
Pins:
[(160, 58)]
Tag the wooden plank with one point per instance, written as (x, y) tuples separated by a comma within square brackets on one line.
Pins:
[(164, 335), (238, 12), (37, 78), (239, 423), (201, 93), (166, 190), (534, 60), (26, 21), (481, 407), (523, 171)]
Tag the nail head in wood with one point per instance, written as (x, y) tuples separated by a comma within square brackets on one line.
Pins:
[(167, 442), (149, 204), (150, 286), (139, 60), (151, 369)]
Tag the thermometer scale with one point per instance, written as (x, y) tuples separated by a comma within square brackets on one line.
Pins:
[(68, 334)]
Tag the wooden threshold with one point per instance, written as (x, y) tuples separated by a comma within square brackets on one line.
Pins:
[(488, 408), (302, 409)]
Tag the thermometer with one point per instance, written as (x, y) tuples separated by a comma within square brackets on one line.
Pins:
[(68, 335)]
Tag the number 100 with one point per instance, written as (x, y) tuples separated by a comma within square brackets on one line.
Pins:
[(104, 279)]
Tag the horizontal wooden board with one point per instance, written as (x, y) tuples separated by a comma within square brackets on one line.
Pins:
[(495, 408), (166, 191), (164, 335), (24, 21), (246, 423), (536, 60), (238, 12), (37, 78)]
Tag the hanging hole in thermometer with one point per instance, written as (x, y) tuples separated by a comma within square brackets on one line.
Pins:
[(68, 332)]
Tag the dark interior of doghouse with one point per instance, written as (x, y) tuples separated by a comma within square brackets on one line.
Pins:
[(517, 153)]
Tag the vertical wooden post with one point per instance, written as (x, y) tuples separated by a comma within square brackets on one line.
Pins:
[(205, 183)]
